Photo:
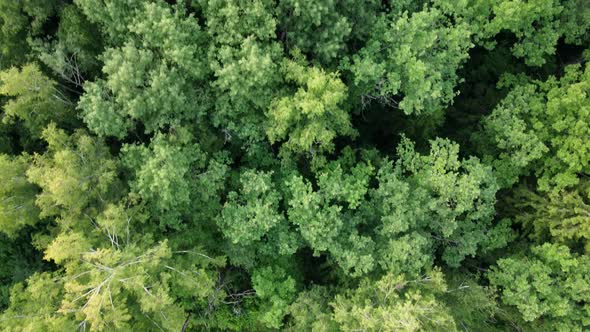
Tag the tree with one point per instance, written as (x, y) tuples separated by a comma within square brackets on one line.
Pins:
[(261, 165), (161, 172), (435, 202), (310, 119), (149, 76), (395, 304), (19, 21), (474, 303), (20, 260), (302, 20), (33, 306), (562, 217), (549, 287), (326, 217), (74, 51), (251, 221), (34, 99), (17, 195), (255, 208), (324, 31), (101, 282), (536, 25), (112, 16), (77, 176), (277, 290), (311, 311), (243, 56), (540, 128), (410, 62)]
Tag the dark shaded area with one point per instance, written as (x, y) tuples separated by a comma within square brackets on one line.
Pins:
[(20, 259)]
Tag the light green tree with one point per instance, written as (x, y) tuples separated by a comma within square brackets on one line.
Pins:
[(311, 118), (394, 303), (540, 129), (34, 99), (17, 195), (549, 287), (563, 217), (77, 176)]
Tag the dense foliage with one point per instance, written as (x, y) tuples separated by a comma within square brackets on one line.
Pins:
[(258, 165)]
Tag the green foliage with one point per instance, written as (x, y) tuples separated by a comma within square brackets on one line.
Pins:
[(435, 201), (310, 312), (35, 99), (247, 216), (243, 58), (540, 127), (36, 300), (147, 276), (157, 97), (112, 16), (312, 117), (73, 54), (518, 17), (18, 21), (575, 21), (161, 173), (20, 260), (536, 25), (472, 305), (101, 282), (302, 19), (77, 176), (149, 76), (251, 221), (325, 217), (410, 62), (276, 289), (549, 287), (260, 165), (562, 217), (395, 304), (17, 195)]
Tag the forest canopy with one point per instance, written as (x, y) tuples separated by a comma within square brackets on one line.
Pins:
[(294, 165)]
